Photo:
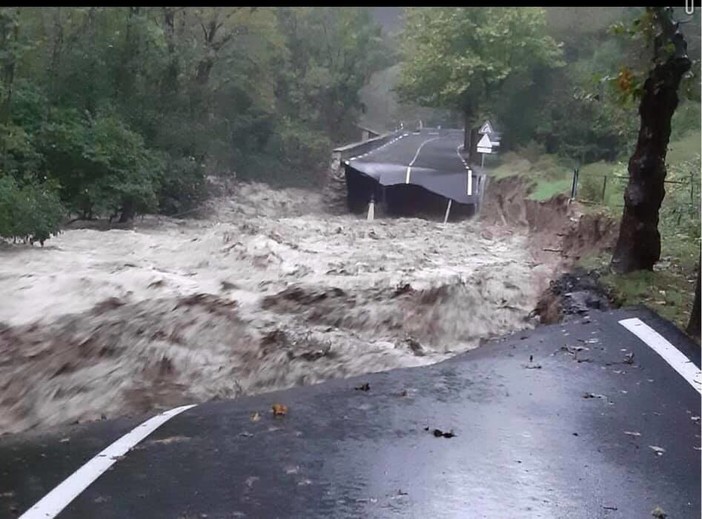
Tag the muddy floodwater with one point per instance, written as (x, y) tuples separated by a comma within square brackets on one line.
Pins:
[(268, 292)]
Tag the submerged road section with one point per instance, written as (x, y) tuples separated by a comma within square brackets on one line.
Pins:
[(594, 419), (429, 158)]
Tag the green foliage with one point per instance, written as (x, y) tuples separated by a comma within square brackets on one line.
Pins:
[(30, 211), (462, 57), (591, 183), (101, 165), (182, 185), (547, 175), (686, 121), (669, 289), (128, 109)]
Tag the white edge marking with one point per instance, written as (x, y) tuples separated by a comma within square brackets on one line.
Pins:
[(678, 361), (469, 174), (52, 503)]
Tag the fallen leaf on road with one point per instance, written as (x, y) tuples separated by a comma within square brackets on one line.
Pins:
[(438, 433), (658, 513), (255, 417), (279, 410), (363, 387), (594, 395), (657, 450)]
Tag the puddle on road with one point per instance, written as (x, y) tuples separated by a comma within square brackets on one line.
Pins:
[(265, 294)]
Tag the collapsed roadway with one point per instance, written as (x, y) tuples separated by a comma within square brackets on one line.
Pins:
[(413, 173)]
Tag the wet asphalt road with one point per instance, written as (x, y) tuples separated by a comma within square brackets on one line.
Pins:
[(580, 420), (429, 158)]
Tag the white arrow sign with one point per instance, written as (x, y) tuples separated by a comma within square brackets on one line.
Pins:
[(485, 128)]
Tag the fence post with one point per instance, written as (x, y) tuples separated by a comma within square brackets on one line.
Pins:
[(574, 188), (604, 188)]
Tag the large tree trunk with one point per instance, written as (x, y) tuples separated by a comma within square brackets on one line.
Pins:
[(9, 37), (693, 327), (169, 81), (128, 211), (639, 243)]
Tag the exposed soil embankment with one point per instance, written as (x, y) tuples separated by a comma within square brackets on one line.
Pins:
[(560, 233)]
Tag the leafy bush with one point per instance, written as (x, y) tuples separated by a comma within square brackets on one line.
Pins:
[(31, 212), (103, 167), (182, 185)]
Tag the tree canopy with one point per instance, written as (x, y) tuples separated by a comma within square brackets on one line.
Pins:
[(463, 57), (118, 110)]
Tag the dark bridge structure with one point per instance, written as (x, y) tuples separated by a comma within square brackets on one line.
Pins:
[(407, 173)]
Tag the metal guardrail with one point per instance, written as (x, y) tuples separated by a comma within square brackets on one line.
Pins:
[(347, 151), (336, 178)]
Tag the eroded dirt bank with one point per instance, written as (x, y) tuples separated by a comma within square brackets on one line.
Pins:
[(266, 293), (560, 233)]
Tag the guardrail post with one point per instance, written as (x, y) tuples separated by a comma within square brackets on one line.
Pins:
[(604, 188)]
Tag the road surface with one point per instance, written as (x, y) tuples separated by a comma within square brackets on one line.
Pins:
[(429, 158), (598, 418)]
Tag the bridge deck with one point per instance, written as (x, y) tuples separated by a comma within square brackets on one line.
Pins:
[(429, 158)]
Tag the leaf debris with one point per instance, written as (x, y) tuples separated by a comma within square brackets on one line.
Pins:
[(279, 409)]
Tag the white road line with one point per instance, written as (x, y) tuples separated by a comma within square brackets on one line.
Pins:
[(416, 156), (684, 366), (60, 497), (469, 175)]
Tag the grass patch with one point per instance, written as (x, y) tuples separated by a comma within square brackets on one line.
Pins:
[(684, 149), (546, 174), (669, 290), (545, 190)]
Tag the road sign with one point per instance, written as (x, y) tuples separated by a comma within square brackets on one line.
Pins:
[(484, 145), (485, 128)]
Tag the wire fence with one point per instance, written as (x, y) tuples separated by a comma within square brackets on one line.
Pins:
[(683, 188)]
